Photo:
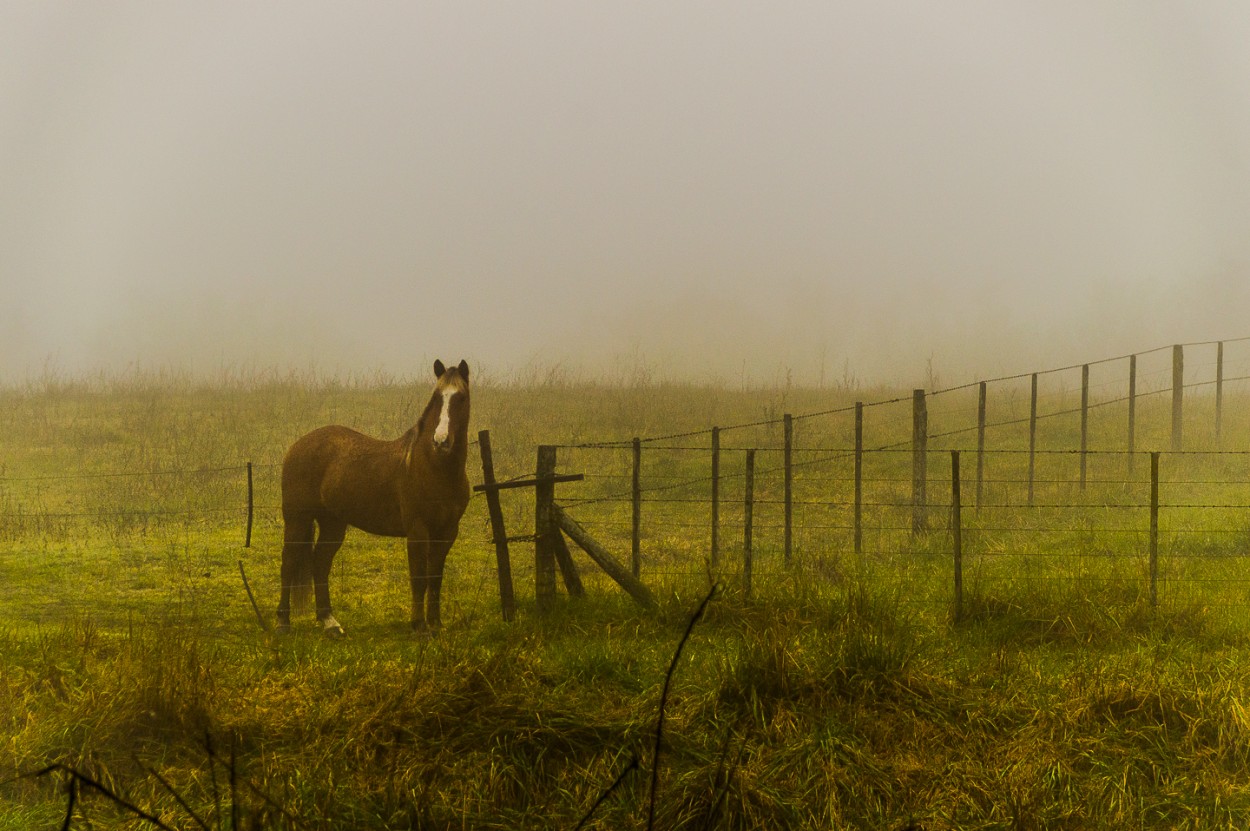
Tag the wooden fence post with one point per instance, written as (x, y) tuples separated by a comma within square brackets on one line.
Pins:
[(1132, 412), (251, 507), (544, 548), (1178, 396), (1032, 434), (715, 555), (919, 459), (1084, 421), (957, 536), (1219, 391), (1154, 529), (747, 522), (507, 599), (859, 478), (635, 552), (788, 495), (981, 406)]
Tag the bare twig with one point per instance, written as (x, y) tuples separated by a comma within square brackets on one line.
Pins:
[(659, 724), (632, 766), (264, 624), (79, 778)]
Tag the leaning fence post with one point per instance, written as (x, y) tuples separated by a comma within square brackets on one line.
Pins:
[(251, 508), (1154, 529), (748, 521), (715, 556), (957, 536), (635, 561), (544, 548), (788, 464), (1178, 396), (919, 453), (507, 599)]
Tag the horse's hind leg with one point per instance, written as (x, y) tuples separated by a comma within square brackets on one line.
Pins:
[(297, 546), (330, 535)]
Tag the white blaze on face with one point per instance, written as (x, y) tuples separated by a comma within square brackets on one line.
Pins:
[(444, 419)]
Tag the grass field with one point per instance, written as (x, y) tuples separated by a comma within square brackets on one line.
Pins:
[(841, 693)]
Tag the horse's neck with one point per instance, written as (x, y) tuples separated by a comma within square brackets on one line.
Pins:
[(420, 454)]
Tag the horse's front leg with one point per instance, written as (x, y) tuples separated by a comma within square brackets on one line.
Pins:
[(438, 556), (418, 576)]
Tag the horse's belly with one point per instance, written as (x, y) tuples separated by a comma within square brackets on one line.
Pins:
[(373, 512)]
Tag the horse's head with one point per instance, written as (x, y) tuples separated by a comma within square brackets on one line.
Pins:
[(446, 418)]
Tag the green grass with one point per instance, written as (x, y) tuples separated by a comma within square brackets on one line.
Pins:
[(840, 693)]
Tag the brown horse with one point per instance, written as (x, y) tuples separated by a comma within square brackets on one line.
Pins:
[(413, 487)]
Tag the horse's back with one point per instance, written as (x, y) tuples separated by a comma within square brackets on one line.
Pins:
[(344, 473)]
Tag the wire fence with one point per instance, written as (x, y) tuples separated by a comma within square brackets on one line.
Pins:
[(1054, 494)]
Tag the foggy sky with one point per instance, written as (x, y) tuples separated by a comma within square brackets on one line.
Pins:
[(712, 190)]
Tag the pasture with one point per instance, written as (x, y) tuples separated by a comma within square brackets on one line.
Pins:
[(840, 691)]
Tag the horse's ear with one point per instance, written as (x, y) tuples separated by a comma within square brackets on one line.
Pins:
[(464, 369), (439, 369)]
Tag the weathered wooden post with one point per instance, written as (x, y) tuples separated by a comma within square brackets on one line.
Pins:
[(1178, 396), (1032, 434), (788, 493), (603, 558), (981, 406), (748, 522), (1084, 421), (957, 536), (507, 599), (715, 554), (858, 519), (635, 553), (1132, 412), (564, 558), (1219, 390), (919, 458), (544, 547), (1154, 529)]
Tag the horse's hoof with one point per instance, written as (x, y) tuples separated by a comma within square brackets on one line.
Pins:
[(282, 628), (331, 627)]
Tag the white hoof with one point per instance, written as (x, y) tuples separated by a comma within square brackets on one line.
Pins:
[(332, 628)]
